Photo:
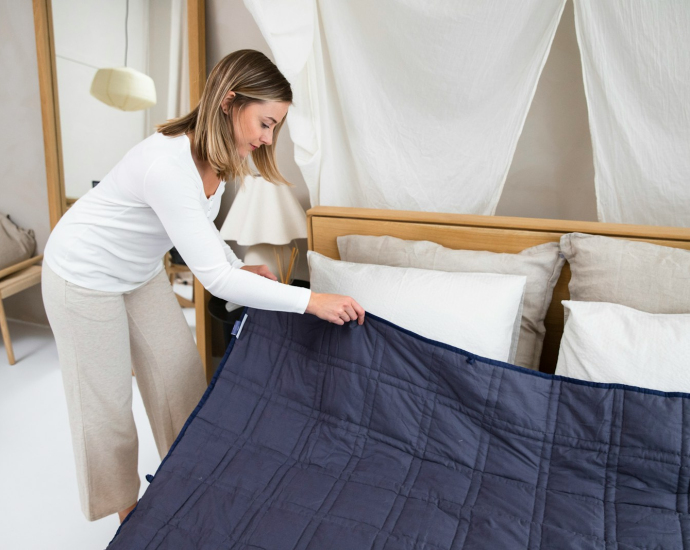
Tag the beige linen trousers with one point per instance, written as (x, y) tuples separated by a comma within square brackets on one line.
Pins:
[(101, 337)]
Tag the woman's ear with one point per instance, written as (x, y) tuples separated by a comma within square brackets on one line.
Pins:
[(227, 101)]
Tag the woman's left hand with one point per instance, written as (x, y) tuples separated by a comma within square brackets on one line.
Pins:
[(260, 270)]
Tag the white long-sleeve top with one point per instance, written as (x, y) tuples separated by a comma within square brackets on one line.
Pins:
[(114, 238)]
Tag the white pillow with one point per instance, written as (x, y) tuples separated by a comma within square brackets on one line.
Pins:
[(477, 312), (604, 342)]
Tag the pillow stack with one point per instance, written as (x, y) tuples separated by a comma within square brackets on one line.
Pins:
[(540, 265), (476, 312), (628, 318)]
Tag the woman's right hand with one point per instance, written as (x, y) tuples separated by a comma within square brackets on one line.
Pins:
[(335, 308)]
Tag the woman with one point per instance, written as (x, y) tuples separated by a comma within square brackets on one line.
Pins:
[(108, 300)]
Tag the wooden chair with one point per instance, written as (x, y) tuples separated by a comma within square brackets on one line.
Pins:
[(172, 270), (14, 279)]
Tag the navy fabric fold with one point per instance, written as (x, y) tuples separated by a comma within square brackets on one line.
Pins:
[(315, 436)]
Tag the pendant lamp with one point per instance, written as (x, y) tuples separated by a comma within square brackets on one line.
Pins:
[(122, 87)]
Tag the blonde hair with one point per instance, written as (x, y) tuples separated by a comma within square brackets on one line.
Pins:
[(253, 78)]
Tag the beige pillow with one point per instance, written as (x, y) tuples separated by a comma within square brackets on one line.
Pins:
[(541, 265), (644, 276)]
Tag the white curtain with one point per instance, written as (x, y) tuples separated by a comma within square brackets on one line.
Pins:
[(408, 104), (636, 63)]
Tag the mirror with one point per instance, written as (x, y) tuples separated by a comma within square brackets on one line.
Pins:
[(84, 138), (148, 36)]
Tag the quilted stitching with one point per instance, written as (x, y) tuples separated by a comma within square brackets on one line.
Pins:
[(316, 436)]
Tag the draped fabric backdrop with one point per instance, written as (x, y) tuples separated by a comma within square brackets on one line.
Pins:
[(636, 64), (418, 104), (408, 104)]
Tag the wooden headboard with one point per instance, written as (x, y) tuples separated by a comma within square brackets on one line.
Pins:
[(468, 232)]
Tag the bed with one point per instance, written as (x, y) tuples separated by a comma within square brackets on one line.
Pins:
[(316, 436), (493, 233)]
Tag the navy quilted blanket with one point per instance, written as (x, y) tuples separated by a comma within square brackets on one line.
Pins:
[(315, 436)]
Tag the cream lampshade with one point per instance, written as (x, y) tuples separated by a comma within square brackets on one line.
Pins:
[(264, 213), (124, 89), (265, 217)]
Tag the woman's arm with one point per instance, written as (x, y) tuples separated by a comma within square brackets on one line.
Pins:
[(229, 254), (174, 197)]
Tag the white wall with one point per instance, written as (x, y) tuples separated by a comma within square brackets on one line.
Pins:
[(23, 192), (552, 174)]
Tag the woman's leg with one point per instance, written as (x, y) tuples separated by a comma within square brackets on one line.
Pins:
[(166, 362), (92, 336), (122, 514)]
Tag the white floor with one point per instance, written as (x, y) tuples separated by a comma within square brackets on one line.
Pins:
[(39, 503)]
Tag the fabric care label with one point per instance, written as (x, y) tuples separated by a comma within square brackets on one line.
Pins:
[(237, 327)]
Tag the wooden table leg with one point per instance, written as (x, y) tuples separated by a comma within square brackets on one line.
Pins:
[(203, 327), (5, 329)]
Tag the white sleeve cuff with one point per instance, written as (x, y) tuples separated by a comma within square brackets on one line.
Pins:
[(304, 301)]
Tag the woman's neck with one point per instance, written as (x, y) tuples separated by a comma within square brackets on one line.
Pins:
[(209, 178)]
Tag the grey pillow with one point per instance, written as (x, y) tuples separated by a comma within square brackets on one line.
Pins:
[(16, 244), (540, 264), (644, 276)]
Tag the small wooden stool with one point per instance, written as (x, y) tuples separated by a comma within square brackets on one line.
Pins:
[(172, 270), (14, 279)]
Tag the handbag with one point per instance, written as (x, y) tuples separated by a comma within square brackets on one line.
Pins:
[(16, 244)]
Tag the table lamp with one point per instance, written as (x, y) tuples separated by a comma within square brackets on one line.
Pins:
[(266, 218)]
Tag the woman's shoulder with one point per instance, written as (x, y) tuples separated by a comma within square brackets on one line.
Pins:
[(167, 162), (159, 150), (158, 144)]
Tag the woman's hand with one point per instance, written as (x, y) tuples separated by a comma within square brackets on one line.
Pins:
[(260, 270), (335, 308)]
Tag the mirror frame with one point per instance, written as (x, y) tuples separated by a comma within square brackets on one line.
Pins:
[(50, 112)]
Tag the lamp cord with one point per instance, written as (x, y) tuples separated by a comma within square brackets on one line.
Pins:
[(76, 61), (126, 35)]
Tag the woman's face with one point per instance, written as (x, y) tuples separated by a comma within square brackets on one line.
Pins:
[(254, 124)]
